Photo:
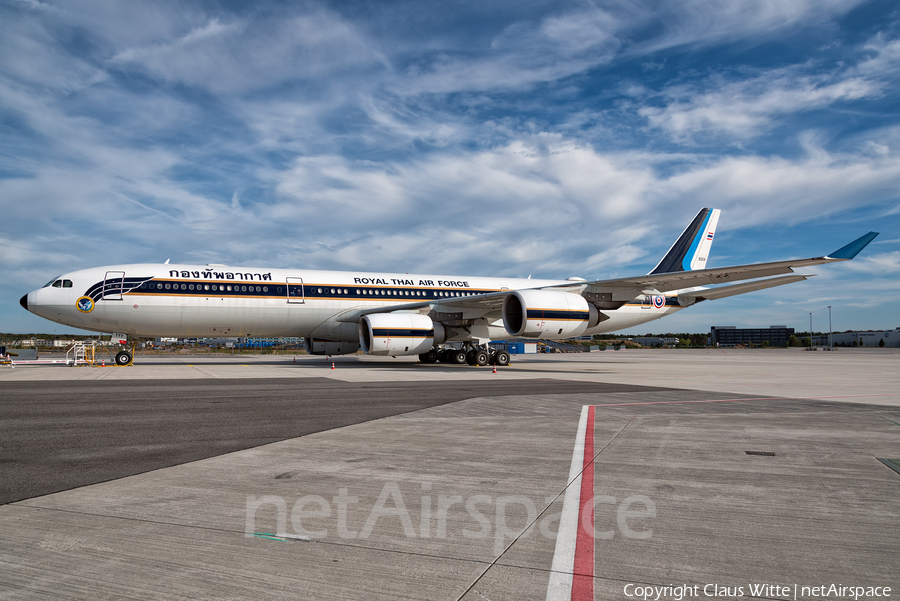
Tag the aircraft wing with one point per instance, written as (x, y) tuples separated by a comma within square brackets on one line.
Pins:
[(734, 289), (679, 280), (626, 289)]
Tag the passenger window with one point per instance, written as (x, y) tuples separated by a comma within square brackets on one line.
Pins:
[(265, 288)]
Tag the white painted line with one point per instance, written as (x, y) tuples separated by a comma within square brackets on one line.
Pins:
[(563, 567)]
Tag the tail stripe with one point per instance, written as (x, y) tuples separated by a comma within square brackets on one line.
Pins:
[(701, 233)]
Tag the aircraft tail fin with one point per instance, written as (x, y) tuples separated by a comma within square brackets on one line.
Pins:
[(691, 250)]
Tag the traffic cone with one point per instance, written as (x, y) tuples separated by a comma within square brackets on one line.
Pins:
[(103, 363), (295, 359), (495, 369), (332, 365)]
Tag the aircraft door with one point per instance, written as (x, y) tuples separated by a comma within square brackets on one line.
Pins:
[(113, 285), (295, 290)]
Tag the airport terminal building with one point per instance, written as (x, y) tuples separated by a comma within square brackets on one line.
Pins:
[(891, 338), (733, 336)]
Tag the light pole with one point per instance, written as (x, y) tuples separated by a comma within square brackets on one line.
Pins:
[(810, 330), (830, 345)]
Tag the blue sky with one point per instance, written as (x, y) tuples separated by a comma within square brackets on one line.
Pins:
[(484, 138)]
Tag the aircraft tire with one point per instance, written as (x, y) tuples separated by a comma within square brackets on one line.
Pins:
[(480, 358), (458, 357), (429, 357), (123, 358), (501, 358)]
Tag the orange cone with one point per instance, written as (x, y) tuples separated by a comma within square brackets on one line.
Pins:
[(495, 369), (332, 365), (103, 363), (295, 359)]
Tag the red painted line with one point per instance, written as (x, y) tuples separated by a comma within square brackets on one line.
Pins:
[(583, 578), (765, 398)]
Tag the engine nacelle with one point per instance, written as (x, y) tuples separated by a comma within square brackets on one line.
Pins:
[(395, 334), (548, 314), (329, 347)]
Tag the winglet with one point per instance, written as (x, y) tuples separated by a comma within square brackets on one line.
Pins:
[(852, 249)]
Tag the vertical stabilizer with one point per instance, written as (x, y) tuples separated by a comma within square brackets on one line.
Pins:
[(691, 250)]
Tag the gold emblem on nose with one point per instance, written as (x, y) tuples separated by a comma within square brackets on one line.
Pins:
[(85, 304)]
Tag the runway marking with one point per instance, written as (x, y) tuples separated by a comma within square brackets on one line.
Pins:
[(764, 398), (583, 577), (572, 570)]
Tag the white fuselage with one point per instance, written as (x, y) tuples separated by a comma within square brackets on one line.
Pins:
[(220, 301)]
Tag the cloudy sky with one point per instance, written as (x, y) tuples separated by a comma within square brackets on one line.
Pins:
[(483, 138)]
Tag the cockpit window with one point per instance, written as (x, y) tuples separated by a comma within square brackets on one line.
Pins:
[(51, 282), (67, 283), (57, 283)]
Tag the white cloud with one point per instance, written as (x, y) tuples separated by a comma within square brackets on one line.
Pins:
[(884, 59), (748, 107), (244, 55), (524, 54), (878, 264), (757, 190), (30, 56), (707, 22)]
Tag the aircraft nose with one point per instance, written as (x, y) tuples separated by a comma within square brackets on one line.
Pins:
[(24, 302)]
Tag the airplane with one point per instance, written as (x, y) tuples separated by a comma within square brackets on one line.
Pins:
[(389, 314)]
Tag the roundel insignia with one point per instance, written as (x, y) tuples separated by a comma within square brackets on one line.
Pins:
[(85, 304), (659, 301)]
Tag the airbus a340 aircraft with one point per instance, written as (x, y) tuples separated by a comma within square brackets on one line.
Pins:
[(399, 314)]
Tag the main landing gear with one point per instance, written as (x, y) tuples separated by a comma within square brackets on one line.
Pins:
[(471, 355)]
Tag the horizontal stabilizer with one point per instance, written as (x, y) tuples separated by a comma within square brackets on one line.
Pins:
[(852, 249), (726, 291)]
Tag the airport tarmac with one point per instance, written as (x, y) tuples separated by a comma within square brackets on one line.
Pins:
[(258, 477)]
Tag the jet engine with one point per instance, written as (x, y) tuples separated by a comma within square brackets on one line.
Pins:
[(317, 346), (396, 334), (548, 314)]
